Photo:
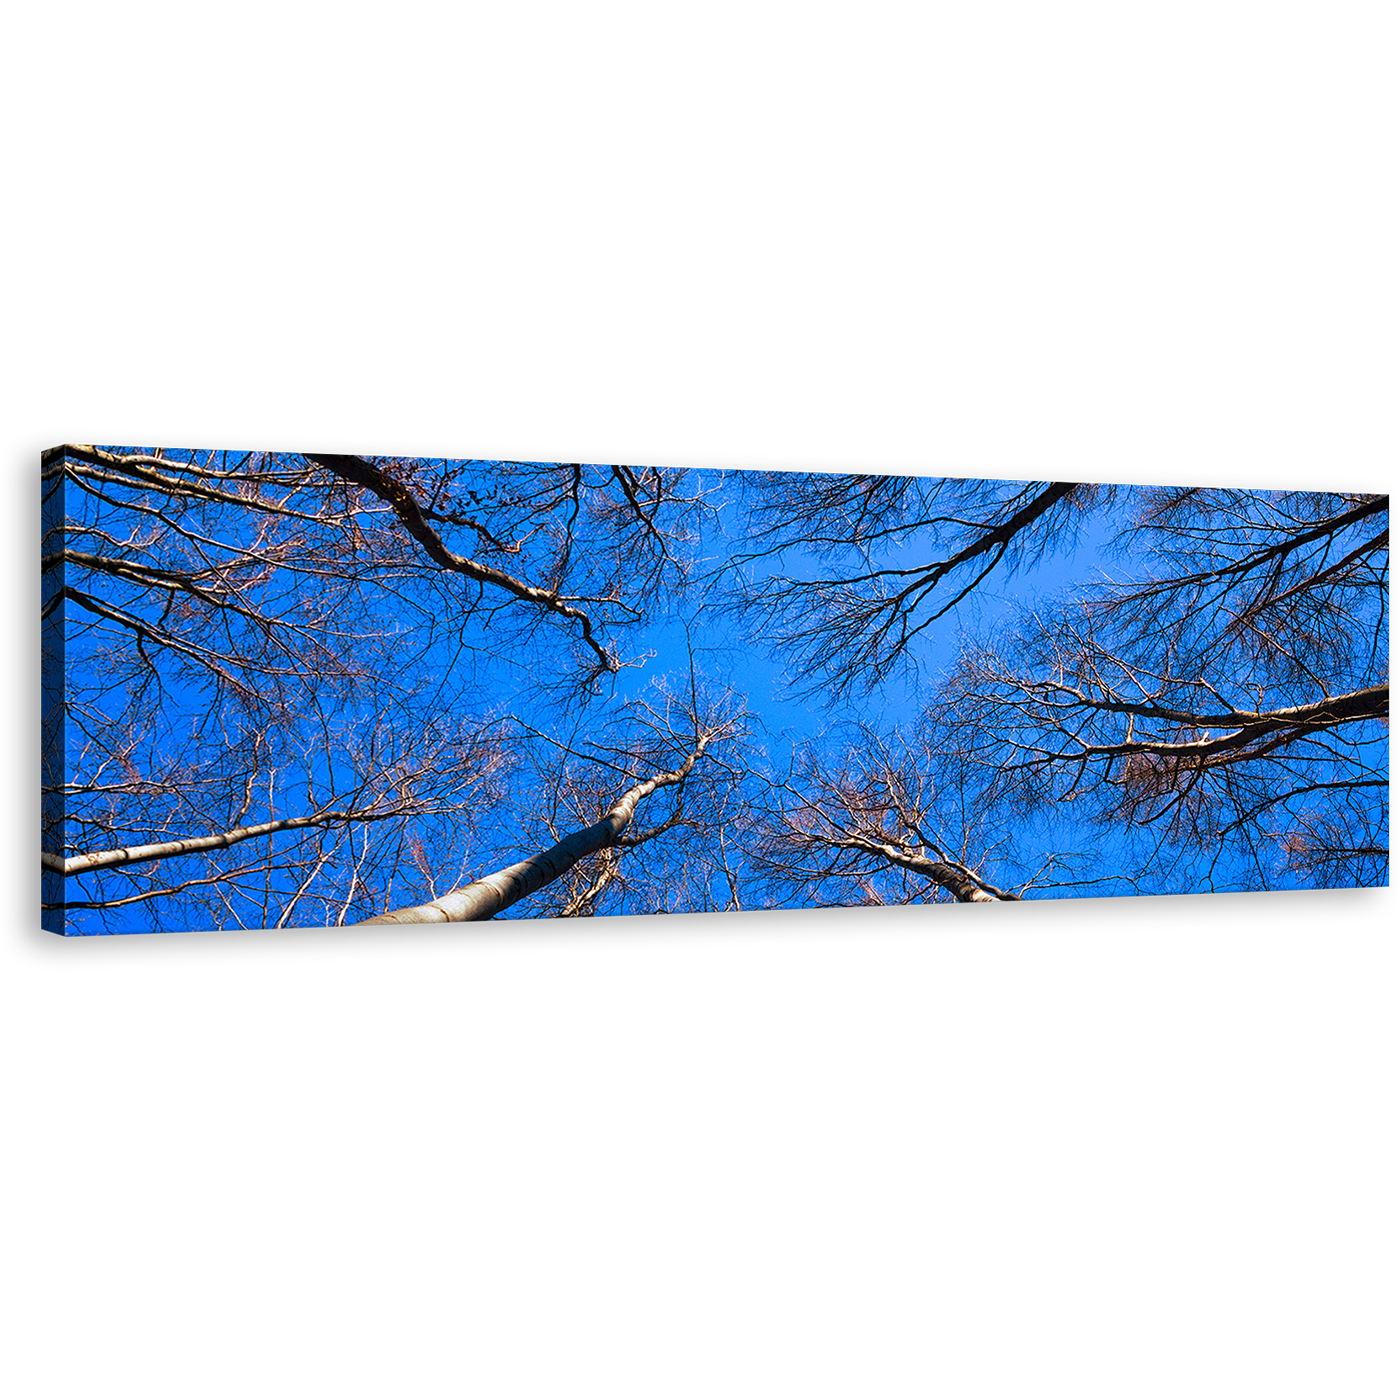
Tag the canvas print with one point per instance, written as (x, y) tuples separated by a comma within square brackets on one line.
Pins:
[(285, 690)]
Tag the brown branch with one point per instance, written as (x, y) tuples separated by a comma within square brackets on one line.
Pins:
[(361, 472)]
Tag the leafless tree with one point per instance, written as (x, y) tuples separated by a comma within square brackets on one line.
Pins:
[(284, 702), (239, 624), (1227, 705), (901, 553), (1214, 707), (343, 809), (645, 807), (600, 546), (688, 853), (871, 818)]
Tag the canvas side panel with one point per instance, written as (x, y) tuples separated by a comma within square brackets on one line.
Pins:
[(53, 678)]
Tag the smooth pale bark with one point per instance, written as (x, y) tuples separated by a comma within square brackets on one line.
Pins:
[(484, 898), (960, 882), (161, 850)]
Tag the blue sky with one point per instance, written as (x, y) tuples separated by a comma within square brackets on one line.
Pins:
[(745, 665)]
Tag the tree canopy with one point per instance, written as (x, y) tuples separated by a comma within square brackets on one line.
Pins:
[(304, 689)]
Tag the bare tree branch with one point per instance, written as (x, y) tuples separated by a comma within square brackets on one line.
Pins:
[(848, 631), (363, 473)]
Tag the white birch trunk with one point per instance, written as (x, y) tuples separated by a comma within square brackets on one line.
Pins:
[(484, 898), (189, 845)]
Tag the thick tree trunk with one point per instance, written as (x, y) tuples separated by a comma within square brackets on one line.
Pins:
[(484, 898)]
